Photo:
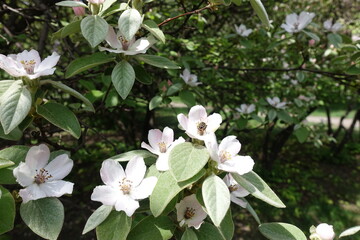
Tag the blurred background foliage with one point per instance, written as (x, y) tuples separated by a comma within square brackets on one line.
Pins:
[(315, 170)]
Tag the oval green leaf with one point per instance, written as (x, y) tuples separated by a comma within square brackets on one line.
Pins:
[(260, 11), (61, 117), (123, 78), (189, 234), (129, 23), (7, 211), (14, 154), (153, 28), (116, 227), (216, 197), (97, 218), (258, 188), (350, 231), (94, 29), (186, 160), (281, 231), (157, 61), (45, 216)]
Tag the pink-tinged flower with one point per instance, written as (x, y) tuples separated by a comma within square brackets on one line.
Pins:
[(275, 102), (28, 64), (242, 31), (123, 189), (190, 212), (161, 144), (97, 2), (246, 108), (236, 191), (332, 27), (127, 47), (40, 178), (325, 231), (199, 125), (227, 158), (79, 11), (296, 23), (312, 42), (190, 79)]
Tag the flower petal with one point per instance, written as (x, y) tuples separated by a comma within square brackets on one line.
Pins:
[(213, 122), (139, 46), (37, 157), (106, 195), (135, 170), (57, 188), (162, 163), (24, 175), (127, 204), (60, 167), (197, 114), (183, 121), (111, 172), (48, 63), (112, 39), (238, 164), (148, 147), (31, 192), (238, 201), (231, 145), (111, 50), (168, 136), (28, 56), (11, 67), (145, 188), (155, 137), (291, 19)]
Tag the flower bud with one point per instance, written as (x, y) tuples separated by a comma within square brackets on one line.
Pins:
[(325, 231), (79, 11)]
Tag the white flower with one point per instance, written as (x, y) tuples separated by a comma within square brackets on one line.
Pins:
[(242, 31), (189, 79), (246, 108), (275, 102), (128, 47), (161, 144), (325, 231), (190, 211), (294, 82), (199, 125), (296, 23), (236, 191), (122, 188), (28, 64), (40, 178), (226, 156), (332, 27)]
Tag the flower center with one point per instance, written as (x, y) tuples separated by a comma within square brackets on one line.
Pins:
[(296, 26), (124, 42), (162, 147), (233, 188), (41, 176), (224, 156), (201, 127), (28, 65), (189, 213), (125, 186)]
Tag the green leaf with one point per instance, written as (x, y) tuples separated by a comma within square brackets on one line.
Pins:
[(312, 35), (347, 232), (15, 105), (123, 78), (258, 188), (106, 5), (97, 218), (45, 216), (71, 4), (84, 63), (166, 189), (129, 23), (216, 197), (157, 61), (114, 9), (174, 88), (260, 11), (251, 211), (61, 117), (300, 76), (271, 115), (335, 39), (188, 98), (208, 231), (189, 234), (14, 135), (116, 227), (124, 157), (15, 154), (353, 70), (153, 28), (71, 28), (5, 163), (5, 85), (72, 92), (7, 211), (94, 29), (155, 102), (160, 228), (142, 76), (186, 160), (281, 231), (302, 134), (226, 228), (284, 116)]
